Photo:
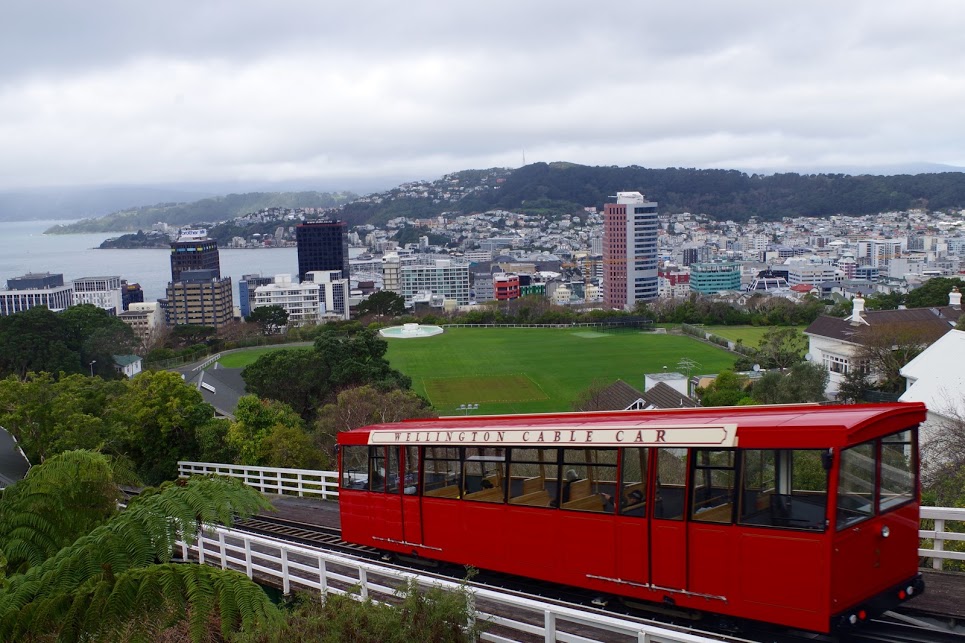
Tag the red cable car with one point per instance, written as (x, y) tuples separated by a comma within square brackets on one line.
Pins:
[(801, 515)]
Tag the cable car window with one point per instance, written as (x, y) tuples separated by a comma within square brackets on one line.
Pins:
[(355, 464), (670, 492), (856, 484), (713, 485), (589, 479), (897, 470), (411, 467), (392, 476), (442, 472), (534, 477), (783, 488), (377, 469), (483, 474), (633, 482)]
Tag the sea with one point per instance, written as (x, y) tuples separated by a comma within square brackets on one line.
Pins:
[(24, 248)]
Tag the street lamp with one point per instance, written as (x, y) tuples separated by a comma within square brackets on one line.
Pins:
[(92, 362), (467, 407)]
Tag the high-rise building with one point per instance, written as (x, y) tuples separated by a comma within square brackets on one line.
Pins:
[(629, 250), (130, 294), (322, 245), (199, 298), (193, 251)]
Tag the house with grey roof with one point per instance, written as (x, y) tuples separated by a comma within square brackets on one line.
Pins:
[(835, 343)]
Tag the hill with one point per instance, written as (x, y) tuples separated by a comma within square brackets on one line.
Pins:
[(554, 189), (204, 212)]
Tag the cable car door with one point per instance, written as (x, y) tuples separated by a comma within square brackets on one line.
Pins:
[(411, 498), (668, 529), (386, 517)]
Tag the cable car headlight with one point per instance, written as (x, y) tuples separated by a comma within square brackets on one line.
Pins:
[(885, 531)]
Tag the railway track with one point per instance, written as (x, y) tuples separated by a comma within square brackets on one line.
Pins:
[(329, 538)]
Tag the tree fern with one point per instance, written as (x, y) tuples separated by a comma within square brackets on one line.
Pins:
[(108, 580)]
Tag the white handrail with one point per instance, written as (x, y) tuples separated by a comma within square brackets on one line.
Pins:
[(293, 567), (324, 484)]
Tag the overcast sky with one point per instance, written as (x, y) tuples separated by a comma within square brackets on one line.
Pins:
[(117, 92)]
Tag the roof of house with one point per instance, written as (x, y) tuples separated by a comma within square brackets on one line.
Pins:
[(126, 360), (938, 375), (930, 321), (220, 387), (664, 396), (618, 396)]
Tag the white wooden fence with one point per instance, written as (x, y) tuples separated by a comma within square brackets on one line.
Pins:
[(939, 534), (324, 484), (502, 616), (301, 482)]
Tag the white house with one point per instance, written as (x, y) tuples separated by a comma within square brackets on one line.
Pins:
[(834, 342)]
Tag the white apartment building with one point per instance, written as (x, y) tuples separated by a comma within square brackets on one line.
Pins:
[(811, 274), (333, 293), (443, 278), (300, 300), (55, 298), (103, 292), (877, 253)]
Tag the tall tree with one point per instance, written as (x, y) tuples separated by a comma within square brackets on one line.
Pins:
[(159, 417), (781, 348), (383, 303), (803, 382), (307, 379), (271, 319), (885, 348), (363, 405)]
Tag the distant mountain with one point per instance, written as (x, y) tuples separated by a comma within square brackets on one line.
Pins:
[(204, 212), (553, 189), (85, 202)]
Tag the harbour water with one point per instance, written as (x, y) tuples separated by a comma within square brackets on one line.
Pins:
[(24, 248)]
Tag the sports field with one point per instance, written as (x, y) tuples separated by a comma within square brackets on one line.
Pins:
[(525, 370)]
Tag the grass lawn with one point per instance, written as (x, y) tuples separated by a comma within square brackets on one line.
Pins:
[(243, 358), (750, 334), (525, 370)]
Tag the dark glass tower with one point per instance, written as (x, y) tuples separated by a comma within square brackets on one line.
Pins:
[(194, 254), (322, 245)]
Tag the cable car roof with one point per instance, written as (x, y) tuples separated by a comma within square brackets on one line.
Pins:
[(750, 427)]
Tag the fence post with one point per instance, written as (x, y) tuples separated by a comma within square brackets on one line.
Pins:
[(222, 549), (285, 582), (936, 562), (549, 627)]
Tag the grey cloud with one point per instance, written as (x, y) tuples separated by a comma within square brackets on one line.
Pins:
[(117, 91)]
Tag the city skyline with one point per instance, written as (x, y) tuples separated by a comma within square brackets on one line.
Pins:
[(111, 93)]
